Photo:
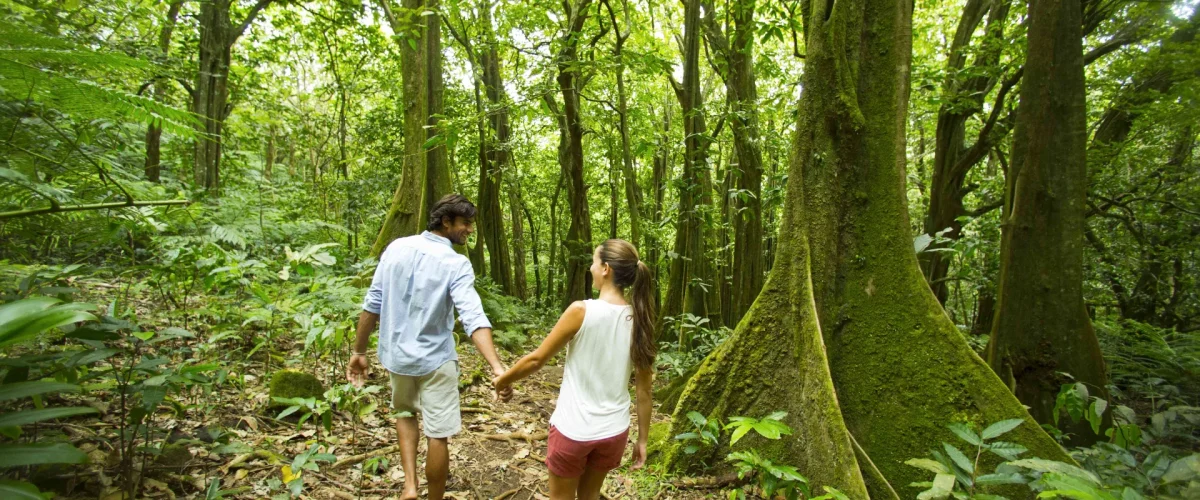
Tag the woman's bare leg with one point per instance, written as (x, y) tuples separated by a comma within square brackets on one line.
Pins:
[(590, 484), (563, 488)]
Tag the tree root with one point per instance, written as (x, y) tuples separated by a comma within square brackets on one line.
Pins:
[(709, 483), (348, 461)]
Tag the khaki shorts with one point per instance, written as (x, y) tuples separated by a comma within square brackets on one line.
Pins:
[(435, 394)]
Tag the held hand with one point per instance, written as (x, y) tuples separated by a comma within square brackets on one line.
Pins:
[(639, 455), (356, 371), (504, 392)]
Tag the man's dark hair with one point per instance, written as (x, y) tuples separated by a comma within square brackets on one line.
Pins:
[(452, 206)]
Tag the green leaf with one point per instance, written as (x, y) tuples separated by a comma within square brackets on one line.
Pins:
[(1006, 450), (697, 419), (1051, 466), (929, 465), (16, 455), (25, 417), (1002, 427), (25, 389), (290, 410), (686, 436), (1184, 469), (738, 433), (990, 479), (959, 458), (964, 432), (30, 317), (20, 490), (943, 484)]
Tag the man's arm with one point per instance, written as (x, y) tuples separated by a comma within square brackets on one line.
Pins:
[(474, 321), (483, 342), (356, 371)]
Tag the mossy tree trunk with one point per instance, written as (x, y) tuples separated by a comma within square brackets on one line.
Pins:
[(425, 178), (846, 336), (1042, 326)]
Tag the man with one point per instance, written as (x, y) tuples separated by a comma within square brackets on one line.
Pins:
[(418, 279)]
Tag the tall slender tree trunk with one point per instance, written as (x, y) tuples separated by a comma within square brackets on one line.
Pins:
[(153, 168), (496, 160), (660, 167), (962, 98), (836, 322), (269, 163), (425, 178), (578, 247), (693, 282), (1042, 326), (210, 98), (736, 49), (633, 192)]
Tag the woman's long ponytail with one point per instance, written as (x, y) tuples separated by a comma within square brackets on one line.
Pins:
[(644, 348), (633, 276)]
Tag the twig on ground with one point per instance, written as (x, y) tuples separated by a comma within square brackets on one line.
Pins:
[(509, 493), (529, 438)]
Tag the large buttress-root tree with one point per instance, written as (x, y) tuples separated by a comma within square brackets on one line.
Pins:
[(846, 336)]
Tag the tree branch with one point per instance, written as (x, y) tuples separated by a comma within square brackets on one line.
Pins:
[(96, 206), (254, 12)]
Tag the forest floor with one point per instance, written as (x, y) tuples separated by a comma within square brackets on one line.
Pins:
[(498, 455)]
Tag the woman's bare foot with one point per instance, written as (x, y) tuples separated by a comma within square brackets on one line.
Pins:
[(409, 492)]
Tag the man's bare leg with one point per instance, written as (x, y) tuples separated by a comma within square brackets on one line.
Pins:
[(437, 467), (406, 427)]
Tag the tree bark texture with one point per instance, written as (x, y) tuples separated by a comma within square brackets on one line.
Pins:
[(693, 286), (495, 161), (1042, 326), (831, 339), (425, 177), (735, 50)]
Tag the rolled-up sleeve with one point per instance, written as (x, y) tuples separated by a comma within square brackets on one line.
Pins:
[(466, 300), (374, 299)]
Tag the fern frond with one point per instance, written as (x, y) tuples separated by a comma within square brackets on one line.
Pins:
[(42, 69)]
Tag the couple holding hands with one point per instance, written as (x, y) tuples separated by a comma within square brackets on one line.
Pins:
[(419, 283)]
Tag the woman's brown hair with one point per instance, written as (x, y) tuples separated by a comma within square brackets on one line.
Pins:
[(630, 273)]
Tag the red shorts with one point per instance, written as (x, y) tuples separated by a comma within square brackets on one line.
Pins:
[(568, 458)]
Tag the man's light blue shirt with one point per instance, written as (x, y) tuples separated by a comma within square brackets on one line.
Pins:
[(418, 284)]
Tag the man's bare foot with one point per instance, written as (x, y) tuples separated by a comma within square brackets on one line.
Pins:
[(409, 492)]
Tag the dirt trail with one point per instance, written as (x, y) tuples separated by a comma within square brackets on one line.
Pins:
[(499, 454)]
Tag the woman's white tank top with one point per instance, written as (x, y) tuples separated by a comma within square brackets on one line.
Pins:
[(593, 402)]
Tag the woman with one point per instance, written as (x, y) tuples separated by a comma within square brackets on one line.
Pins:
[(606, 340)]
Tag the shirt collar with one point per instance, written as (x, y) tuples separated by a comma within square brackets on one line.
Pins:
[(433, 237)]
